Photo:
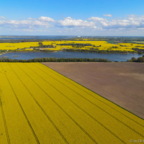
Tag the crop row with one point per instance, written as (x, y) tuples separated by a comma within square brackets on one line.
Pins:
[(38, 105)]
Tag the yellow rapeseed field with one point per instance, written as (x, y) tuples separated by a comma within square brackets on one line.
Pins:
[(40, 106), (18, 46), (60, 45)]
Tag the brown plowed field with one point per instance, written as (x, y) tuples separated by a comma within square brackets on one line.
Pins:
[(122, 83)]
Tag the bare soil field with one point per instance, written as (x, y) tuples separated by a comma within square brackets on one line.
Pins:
[(121, 83)]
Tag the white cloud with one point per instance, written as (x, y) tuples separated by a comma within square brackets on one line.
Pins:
[(93, 24), (125, 23), (48, 19), (130, 22), (99, 22), (29, 23), (108, 15), (96, 19), (2, 17), (70, 22)]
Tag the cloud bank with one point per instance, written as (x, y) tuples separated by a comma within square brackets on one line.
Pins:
[(106, 23)]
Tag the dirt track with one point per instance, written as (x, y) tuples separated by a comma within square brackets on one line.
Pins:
[(122, 83)]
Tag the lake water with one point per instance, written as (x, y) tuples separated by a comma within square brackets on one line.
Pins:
[(35, 37), (62, 54)]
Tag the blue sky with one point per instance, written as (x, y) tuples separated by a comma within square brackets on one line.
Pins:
[(72, 17)]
